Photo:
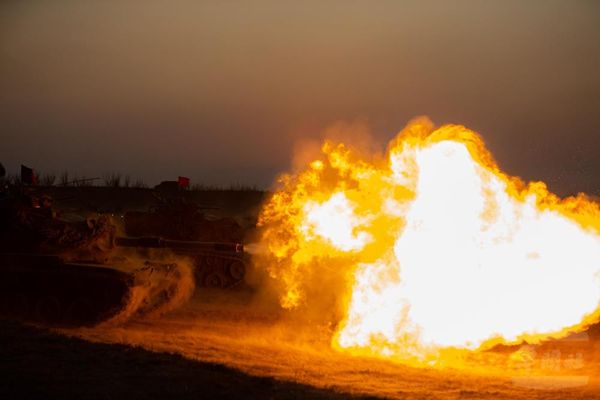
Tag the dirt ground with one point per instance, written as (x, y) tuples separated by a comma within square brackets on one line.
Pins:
[(36, 364), (222, 345), (238, 331)]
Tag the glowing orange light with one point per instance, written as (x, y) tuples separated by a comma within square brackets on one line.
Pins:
[(441, 249)]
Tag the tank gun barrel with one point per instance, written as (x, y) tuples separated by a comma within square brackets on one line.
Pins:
[(181, 245)]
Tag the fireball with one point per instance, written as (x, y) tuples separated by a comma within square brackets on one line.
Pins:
[(432, 247)]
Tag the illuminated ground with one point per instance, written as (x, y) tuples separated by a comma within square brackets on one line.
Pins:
[(38, 365), (235, 330)]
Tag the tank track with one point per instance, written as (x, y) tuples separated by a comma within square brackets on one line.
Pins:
[(213, 269)]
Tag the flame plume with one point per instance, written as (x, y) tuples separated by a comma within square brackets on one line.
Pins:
[(432, 247)]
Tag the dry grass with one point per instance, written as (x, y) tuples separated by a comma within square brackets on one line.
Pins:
[(40, 365), (242, 331)]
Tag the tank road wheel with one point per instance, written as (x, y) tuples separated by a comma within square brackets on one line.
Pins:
[(48, 310), (213, 280), (209, 261), (237, 270)]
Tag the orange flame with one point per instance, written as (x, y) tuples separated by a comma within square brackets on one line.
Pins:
[(432, 247)]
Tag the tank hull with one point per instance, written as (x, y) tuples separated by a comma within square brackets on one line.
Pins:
[(42, 288), (220, 265)]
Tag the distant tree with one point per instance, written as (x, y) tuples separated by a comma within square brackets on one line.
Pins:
[(48, 179), (112, 179), (202, 187), (241, 187), (80, 181), (13, 179), (139, 184), (64, 179)]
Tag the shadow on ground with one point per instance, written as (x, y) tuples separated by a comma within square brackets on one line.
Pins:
[(35, 364)]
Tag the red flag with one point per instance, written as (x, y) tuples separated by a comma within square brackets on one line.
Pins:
[(28, 175), (183, 182)]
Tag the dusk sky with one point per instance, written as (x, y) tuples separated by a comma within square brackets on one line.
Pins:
[(221, 91)]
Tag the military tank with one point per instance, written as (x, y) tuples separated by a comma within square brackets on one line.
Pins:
[(70, 273), (175, 216), (176, 223), (45, 288), (216, 264)]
